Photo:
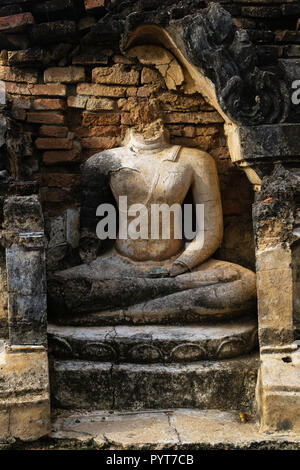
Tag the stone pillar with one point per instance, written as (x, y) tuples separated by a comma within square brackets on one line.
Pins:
[(262, 151), (278, 389), (24, 403)]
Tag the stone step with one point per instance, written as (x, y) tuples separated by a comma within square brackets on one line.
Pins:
[(183, 429), (154, 344), (131, 317), (226, 384)]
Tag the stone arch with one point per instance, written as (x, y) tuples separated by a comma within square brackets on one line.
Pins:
[(221, 60), (209, 89)]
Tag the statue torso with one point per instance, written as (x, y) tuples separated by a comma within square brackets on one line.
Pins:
[(151, 178), (156, 177)]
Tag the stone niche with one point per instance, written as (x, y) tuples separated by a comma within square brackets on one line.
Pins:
[(68, 101), (97, 116)]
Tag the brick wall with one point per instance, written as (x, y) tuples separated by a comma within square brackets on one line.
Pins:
[(67, 102)]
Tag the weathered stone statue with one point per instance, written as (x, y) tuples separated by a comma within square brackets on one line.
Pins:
[(155, 280)]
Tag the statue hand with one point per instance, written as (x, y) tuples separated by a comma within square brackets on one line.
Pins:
[(158, 272), (177, 268)]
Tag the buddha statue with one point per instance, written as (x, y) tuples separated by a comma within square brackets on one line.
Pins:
[(159, 279)]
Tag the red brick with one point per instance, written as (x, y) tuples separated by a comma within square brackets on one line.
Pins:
[(93, 4), (53, 143), (125, 119), (35, 90), (97, 131), (64, 75), (41, 104), (13, 22), (103, 143), (12, 74), (193, 118), (92, 57), (19, 114), (77, 101), (104, 119), (60, 180), (101, 90), (57, 196), (46, 118), (116, 75), (21, 103), (54, 131), (55, 158)]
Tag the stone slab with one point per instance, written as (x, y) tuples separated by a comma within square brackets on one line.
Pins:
[(268, 142), (229, 384), (165, 429), (150, 344)]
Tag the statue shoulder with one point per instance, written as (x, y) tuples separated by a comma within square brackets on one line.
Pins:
[(196, 157), (104, 161)]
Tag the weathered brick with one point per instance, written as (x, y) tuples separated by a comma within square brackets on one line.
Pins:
[(27, 57), (292, 51), (11, 42), (193, 118), (146, 91), (96, 131), (64, 75), (60, 180), (55, 158), (56, 196), (51, 6), (100, 104), (131, 91), (93, 4), (35, 90), (19, 114), (173, 102), (182, 131), (261, 12), (287, 37), (46, 118), (21, 103), (16, 75), (41, 104), (89, 119), (77, 101), (9, 10), (53, 32), (54, 131), (116, 75), (86, 23), (150, 76), (103, 143), (14, 22), (92, 57), (120, 59), (125, 119), (100, 90), (53, 143)]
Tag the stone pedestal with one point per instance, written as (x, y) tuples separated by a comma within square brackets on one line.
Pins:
[(24, 378), (24, 393), (278, 391)]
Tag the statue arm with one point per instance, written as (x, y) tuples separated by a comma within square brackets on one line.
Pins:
[(205, 188), (95, 190)]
